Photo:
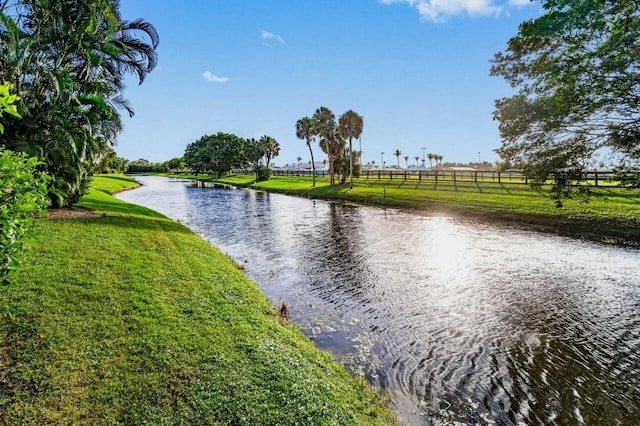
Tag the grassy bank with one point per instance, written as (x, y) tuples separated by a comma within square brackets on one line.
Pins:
[(611, 214), (121, 316)]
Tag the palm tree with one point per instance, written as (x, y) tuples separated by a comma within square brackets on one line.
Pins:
[(305, 129), (299, 160), (431, 157), (350, 126), (398, 153), (406, 161), (325, 126), (417, 158), (68, 60), (439, 159), (271, 148)]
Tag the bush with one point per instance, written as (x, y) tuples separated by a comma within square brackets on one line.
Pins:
[(23, 191), (262, 173)]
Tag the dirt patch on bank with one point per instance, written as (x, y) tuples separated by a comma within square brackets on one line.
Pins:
[(74, 213)]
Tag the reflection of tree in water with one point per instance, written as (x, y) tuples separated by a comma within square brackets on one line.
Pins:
[(336, 261)]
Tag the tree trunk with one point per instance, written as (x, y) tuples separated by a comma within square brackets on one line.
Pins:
[(350, 165), (313, 163)]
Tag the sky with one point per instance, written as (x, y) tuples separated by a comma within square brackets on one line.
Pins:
[(416, 70)]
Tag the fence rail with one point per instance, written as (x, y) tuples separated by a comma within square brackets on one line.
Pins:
[(592, 178)]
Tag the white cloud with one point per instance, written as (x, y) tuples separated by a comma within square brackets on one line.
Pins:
[(438, 10), (269, 36), (209, 76)]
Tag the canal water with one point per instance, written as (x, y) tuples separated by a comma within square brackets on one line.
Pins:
[(455, 320)]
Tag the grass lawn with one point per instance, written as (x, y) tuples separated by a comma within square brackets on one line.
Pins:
[(611, 214), (122, 316)]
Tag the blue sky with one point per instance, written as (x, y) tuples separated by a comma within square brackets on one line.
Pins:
[(416, 70)]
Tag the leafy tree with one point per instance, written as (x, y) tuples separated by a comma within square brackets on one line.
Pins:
[(431, 157), (175, 164), (217, 154), (576, 71), (270, 147), (417, 158), (305, 129), (350, 125)]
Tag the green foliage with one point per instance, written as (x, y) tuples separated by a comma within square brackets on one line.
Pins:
[(270, 147), (175, 164), (68, 60), (217, 154), (576, 70), (144, 166), (263, 173), (7, 103), (343, 166), (23, 193)]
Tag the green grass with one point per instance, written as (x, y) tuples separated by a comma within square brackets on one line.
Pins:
[(610, 214), (126, 317)]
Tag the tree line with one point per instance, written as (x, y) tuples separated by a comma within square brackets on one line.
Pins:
[(332, 138)]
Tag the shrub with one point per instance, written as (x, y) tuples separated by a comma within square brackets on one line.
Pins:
[(262, 173), (23, 192)]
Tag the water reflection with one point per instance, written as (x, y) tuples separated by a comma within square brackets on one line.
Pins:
[(455, 320)]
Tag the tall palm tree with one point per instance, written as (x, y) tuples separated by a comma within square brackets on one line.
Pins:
[(305, 129), (439, 159), (350, 125), (431, 157), (417, 158), (406, 161), (271, 148), (325, 126), (398, 153)]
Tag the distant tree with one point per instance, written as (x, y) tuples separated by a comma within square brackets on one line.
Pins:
[(253, 151), (398, 153), (217, 154), (175, 164), (271, 148), (326, 128), (406, 160), (345, 166), (576, 71), (305, 129), (350, 125), (417, 158), (431, 157)]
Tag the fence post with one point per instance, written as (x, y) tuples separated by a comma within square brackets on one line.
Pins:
[(405, 175), (436, 175), (378, 174), (499, 177), (419, 175), (454, 176), (596, 178), (476, 176), (390, 175)]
